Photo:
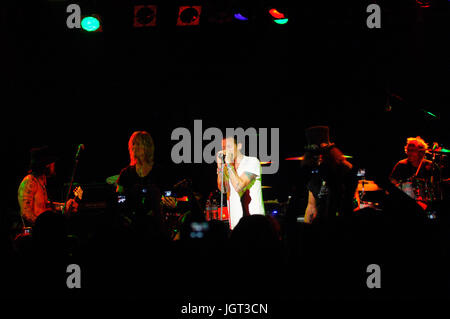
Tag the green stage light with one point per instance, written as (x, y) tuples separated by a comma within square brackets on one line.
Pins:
[(281, 21), (429, 113), (90, 24)]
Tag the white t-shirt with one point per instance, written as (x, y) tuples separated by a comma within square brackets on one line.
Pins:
[(251, 201)]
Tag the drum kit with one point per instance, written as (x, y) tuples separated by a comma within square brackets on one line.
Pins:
[(428, 192)]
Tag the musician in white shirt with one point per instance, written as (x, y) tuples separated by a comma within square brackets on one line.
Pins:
[(241, 180)]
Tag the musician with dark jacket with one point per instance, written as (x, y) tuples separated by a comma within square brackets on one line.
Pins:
[(332, 181)]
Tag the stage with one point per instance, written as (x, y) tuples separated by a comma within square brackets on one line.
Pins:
[(267, 75)]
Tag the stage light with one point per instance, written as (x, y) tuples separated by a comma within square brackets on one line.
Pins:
[(91, 23), (277, 15), (423, 3), (281, 21), (144, 16), (189, 15), (240, 17), (431, 114)]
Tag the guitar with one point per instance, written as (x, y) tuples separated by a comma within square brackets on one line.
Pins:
[(166, 201), (78, 196)]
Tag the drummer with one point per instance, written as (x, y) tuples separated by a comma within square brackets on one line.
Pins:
[(415, 166)]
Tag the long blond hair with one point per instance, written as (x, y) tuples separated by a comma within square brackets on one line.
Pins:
[(149, 147)]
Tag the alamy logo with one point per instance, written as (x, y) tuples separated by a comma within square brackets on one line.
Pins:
[(258, 145), (74, 279), (374, 279), (74, 19), (374, 19)]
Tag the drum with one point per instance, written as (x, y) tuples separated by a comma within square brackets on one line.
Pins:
[(367, 204), (416, 188), (213, 213), (407, 188), (370, 195)]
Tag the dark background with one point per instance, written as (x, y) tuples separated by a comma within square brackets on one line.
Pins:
[(65, 87)]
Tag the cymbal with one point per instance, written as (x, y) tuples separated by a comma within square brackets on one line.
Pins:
[(263, 187), (369, 186), (439, 150), (112, 180), (301, 158)]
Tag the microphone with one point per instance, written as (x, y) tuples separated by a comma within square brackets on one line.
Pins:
[(80, 147)]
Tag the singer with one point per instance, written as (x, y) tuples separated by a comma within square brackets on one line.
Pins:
[(241, 181)]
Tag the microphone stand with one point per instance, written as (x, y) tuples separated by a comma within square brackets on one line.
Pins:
[(222, 186), (72, 178), (221, 194)]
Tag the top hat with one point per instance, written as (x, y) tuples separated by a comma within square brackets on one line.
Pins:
[(318, 138), (40, 157)]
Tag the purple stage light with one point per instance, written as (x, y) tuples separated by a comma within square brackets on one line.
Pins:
[(240, 17)]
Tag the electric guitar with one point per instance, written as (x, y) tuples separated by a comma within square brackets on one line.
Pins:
[(78, 196)]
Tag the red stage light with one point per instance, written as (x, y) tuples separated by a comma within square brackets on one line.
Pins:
[(144, 16), (189, 15), (423, 3), (277, 15)]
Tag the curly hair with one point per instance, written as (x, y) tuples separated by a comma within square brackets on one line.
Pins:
[(418, 142), (149, 147)]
